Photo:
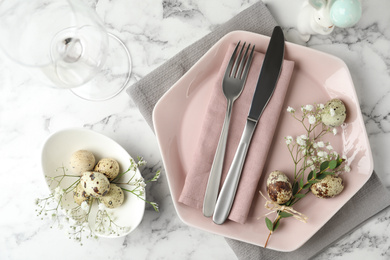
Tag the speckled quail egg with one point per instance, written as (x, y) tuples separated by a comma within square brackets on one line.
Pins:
[(79, 194), (279, 187), (334, 113), (108, 167), (95, 184), (328, 187), (114, 198), (82, 161)]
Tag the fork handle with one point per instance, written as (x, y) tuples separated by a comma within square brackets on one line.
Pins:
[(210, 197), (229, 188)]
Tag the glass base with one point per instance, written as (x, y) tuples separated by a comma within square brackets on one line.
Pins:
[(112, 78)]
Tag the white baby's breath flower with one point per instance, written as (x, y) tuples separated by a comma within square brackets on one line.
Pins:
[(322, 154), (334, 131), (156, 176), (301, 141), (72, 221), (329, 147), (85, 206), (290, 110), (334, 154), (321, 106), (155, 205), (320, 144), (289, 139), (347, 168), (309, 107), (312, 119), (58, 192), (102, 207), (332, 112)]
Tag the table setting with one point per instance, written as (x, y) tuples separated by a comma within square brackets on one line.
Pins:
[(159, 110)]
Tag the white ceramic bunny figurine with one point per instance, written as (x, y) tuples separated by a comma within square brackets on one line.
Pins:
[(314, 18), (321, 16)]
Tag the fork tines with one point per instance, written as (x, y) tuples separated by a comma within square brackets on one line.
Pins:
[(240, 64)]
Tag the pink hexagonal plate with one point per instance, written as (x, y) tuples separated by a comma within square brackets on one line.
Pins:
[(317, 78)]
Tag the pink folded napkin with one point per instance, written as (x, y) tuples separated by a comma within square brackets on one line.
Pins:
[(197, 176)]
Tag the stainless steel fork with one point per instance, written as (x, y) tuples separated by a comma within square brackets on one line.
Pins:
[(232, 85)]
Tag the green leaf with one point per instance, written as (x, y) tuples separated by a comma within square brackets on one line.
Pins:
[(333, 164), (301, 183), (328, 173), (315, 175), (321, 176), (276, 225), (313, 181), (300, 195), (306, 186), (295, 188), (324, 166), (269, 224), (283, 214), (310, 176)]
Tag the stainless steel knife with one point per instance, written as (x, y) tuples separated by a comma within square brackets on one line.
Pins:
[(266, 84)]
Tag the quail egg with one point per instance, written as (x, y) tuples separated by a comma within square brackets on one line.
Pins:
[(114, 198), (79, 194), (279, 187), (328, 187), (82, 161), (95, 184), (108, 167), (334, 113)]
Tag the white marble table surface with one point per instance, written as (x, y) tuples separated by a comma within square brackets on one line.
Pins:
[(154, 30)]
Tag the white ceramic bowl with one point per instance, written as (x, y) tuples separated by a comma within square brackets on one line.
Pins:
[(56, 153)]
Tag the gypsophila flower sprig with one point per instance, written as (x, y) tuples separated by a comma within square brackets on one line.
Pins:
[(307, 150), (77, 218), (105, 223), (313, 160), (54, 201), (137, 186)]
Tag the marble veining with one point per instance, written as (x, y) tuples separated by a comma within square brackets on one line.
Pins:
[(154, 31)]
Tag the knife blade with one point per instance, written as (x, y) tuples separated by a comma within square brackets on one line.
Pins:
[(268, 78)]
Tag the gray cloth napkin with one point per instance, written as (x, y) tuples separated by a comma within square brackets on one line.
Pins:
[(371, 199)]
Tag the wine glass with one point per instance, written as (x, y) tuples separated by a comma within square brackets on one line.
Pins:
[(65, 44)]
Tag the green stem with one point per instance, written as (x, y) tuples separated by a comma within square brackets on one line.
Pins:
[(132, 191)]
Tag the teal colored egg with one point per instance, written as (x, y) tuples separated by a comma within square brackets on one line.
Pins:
[(345, 13)]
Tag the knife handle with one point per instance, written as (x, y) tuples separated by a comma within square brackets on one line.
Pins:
[(229, 188)]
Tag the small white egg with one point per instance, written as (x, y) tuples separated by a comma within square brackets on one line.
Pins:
[(328, 187), (95, 184), (82, 161), (334, 113), (79, 194), (114, 198), (279, 187), (108, 167)]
